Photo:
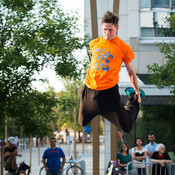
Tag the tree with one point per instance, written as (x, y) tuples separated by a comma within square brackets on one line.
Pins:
[(67, 102), (160, 121), (34, 113), (164, 76), (34, 34)]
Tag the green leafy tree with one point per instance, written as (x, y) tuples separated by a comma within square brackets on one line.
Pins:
[(34, 34), (67, 104), (160, 121), (36, 111), (164, 76)]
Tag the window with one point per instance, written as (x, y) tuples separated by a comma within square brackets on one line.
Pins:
[(160, 3), (156, 24), (155, 19), (145, 3), (157, 4)]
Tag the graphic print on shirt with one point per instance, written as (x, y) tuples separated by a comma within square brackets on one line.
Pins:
[(101, 59)]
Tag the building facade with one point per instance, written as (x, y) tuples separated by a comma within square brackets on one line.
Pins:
[(142, 24)]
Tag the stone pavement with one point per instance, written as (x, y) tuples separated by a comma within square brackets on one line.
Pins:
[(87, 157)]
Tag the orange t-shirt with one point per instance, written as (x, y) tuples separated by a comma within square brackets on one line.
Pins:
[(106, 61)]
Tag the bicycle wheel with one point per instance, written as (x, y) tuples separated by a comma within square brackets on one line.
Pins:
[(74, 170), (42, 171)]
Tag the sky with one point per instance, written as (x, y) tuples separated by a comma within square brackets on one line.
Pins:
[(55, 81)]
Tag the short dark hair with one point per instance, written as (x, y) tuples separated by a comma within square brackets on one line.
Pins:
[(138, 138), (150, 134), (52, 138), (110, 17)]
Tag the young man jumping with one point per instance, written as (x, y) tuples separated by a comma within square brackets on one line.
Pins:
[(99, 94)]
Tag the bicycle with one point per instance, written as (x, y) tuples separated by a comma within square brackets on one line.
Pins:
[(71, 169), (22, 168)]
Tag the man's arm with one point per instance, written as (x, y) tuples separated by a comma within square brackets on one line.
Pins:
[(62, 165), (14, 153), (133, 79), (149, 154), (45, 165)]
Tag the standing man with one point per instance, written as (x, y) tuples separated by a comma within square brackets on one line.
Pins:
[(151, 148), (99, 94), (53, 166), (10, 154)]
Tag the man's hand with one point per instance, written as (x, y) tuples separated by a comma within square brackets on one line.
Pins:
[(7, 154), (139, 99), (149, 154), (46, 168), (133, 79), (61, 168)]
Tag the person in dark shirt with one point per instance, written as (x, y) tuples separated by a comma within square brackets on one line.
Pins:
[(160, 158), (10, 154)]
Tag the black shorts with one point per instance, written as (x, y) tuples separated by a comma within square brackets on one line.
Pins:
[(108, 104)]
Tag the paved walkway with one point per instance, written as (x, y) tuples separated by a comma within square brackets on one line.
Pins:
[(87, 157)]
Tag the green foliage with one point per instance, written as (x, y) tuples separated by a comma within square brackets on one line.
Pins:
[(164, 76), (36, 113), (158, 120), (170, 29), (34, 34), (67, 103)]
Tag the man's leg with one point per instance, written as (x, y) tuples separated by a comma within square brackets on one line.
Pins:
[(112, 108), (128, 114), (49, 173), (13, 162), (7, 163), (148, 170), (88, 106), (54, 173), (59, 173)]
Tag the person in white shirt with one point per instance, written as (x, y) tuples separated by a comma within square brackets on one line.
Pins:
[(139, 154)]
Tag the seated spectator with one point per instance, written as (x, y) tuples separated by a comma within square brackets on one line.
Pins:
[(10, 154), (123, 158), (160, 158), (139, 155)]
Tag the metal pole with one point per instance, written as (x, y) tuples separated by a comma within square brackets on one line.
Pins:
[(38, 151), (83, 140), (30, 152), (75, 123)]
